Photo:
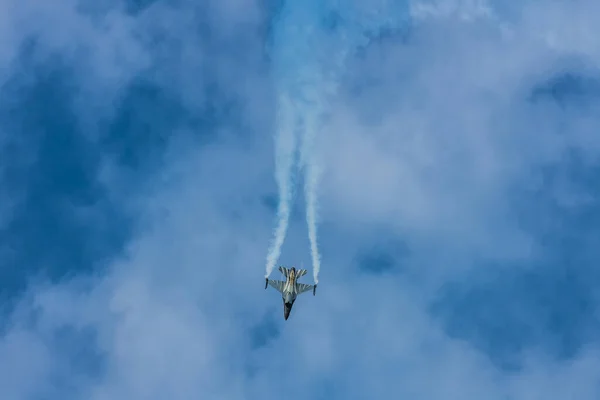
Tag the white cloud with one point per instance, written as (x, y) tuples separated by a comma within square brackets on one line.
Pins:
[(433, 151), (439, 143)]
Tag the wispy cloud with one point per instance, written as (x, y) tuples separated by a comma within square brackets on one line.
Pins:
[(460, 156)]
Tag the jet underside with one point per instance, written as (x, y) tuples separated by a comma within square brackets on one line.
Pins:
[(290, 288)]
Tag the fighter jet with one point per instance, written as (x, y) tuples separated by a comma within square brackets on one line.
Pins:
[(290, 289)]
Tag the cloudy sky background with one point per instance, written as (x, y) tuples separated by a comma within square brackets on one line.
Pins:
[(460, 223)]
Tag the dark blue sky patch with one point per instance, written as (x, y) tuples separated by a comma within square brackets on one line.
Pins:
[(568, 89), (77, 349), (377, 261), (565, 213), (261, 334), (150, 118), (562, 203), (326, 389), (270, 201), (137, 6), (331, 21), (515, 310), (382, 254), (272, 9), (552, 304), (147, 118), (400, 34), (265, 330), (62, 221)]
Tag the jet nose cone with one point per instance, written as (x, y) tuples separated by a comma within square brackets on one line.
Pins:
[(286, 311)]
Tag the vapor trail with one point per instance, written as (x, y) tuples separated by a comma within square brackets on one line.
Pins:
[(311, 182), (285, 148), (312, 125), (311, 42)]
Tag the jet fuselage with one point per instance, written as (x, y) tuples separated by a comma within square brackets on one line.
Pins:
[(290, 288), (289, 293)]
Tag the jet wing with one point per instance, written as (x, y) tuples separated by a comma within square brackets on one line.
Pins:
[(303, 287), (278, 285)]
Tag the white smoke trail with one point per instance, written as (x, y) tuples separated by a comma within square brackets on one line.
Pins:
[(285, 148), (309, 163), (310, 192), (311, 42)]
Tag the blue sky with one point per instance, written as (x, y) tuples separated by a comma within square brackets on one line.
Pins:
[(459, 214)]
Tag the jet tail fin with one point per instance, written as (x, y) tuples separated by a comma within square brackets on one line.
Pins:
[(283, 270)]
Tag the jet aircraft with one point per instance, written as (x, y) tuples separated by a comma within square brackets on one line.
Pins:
[(290, 289)]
